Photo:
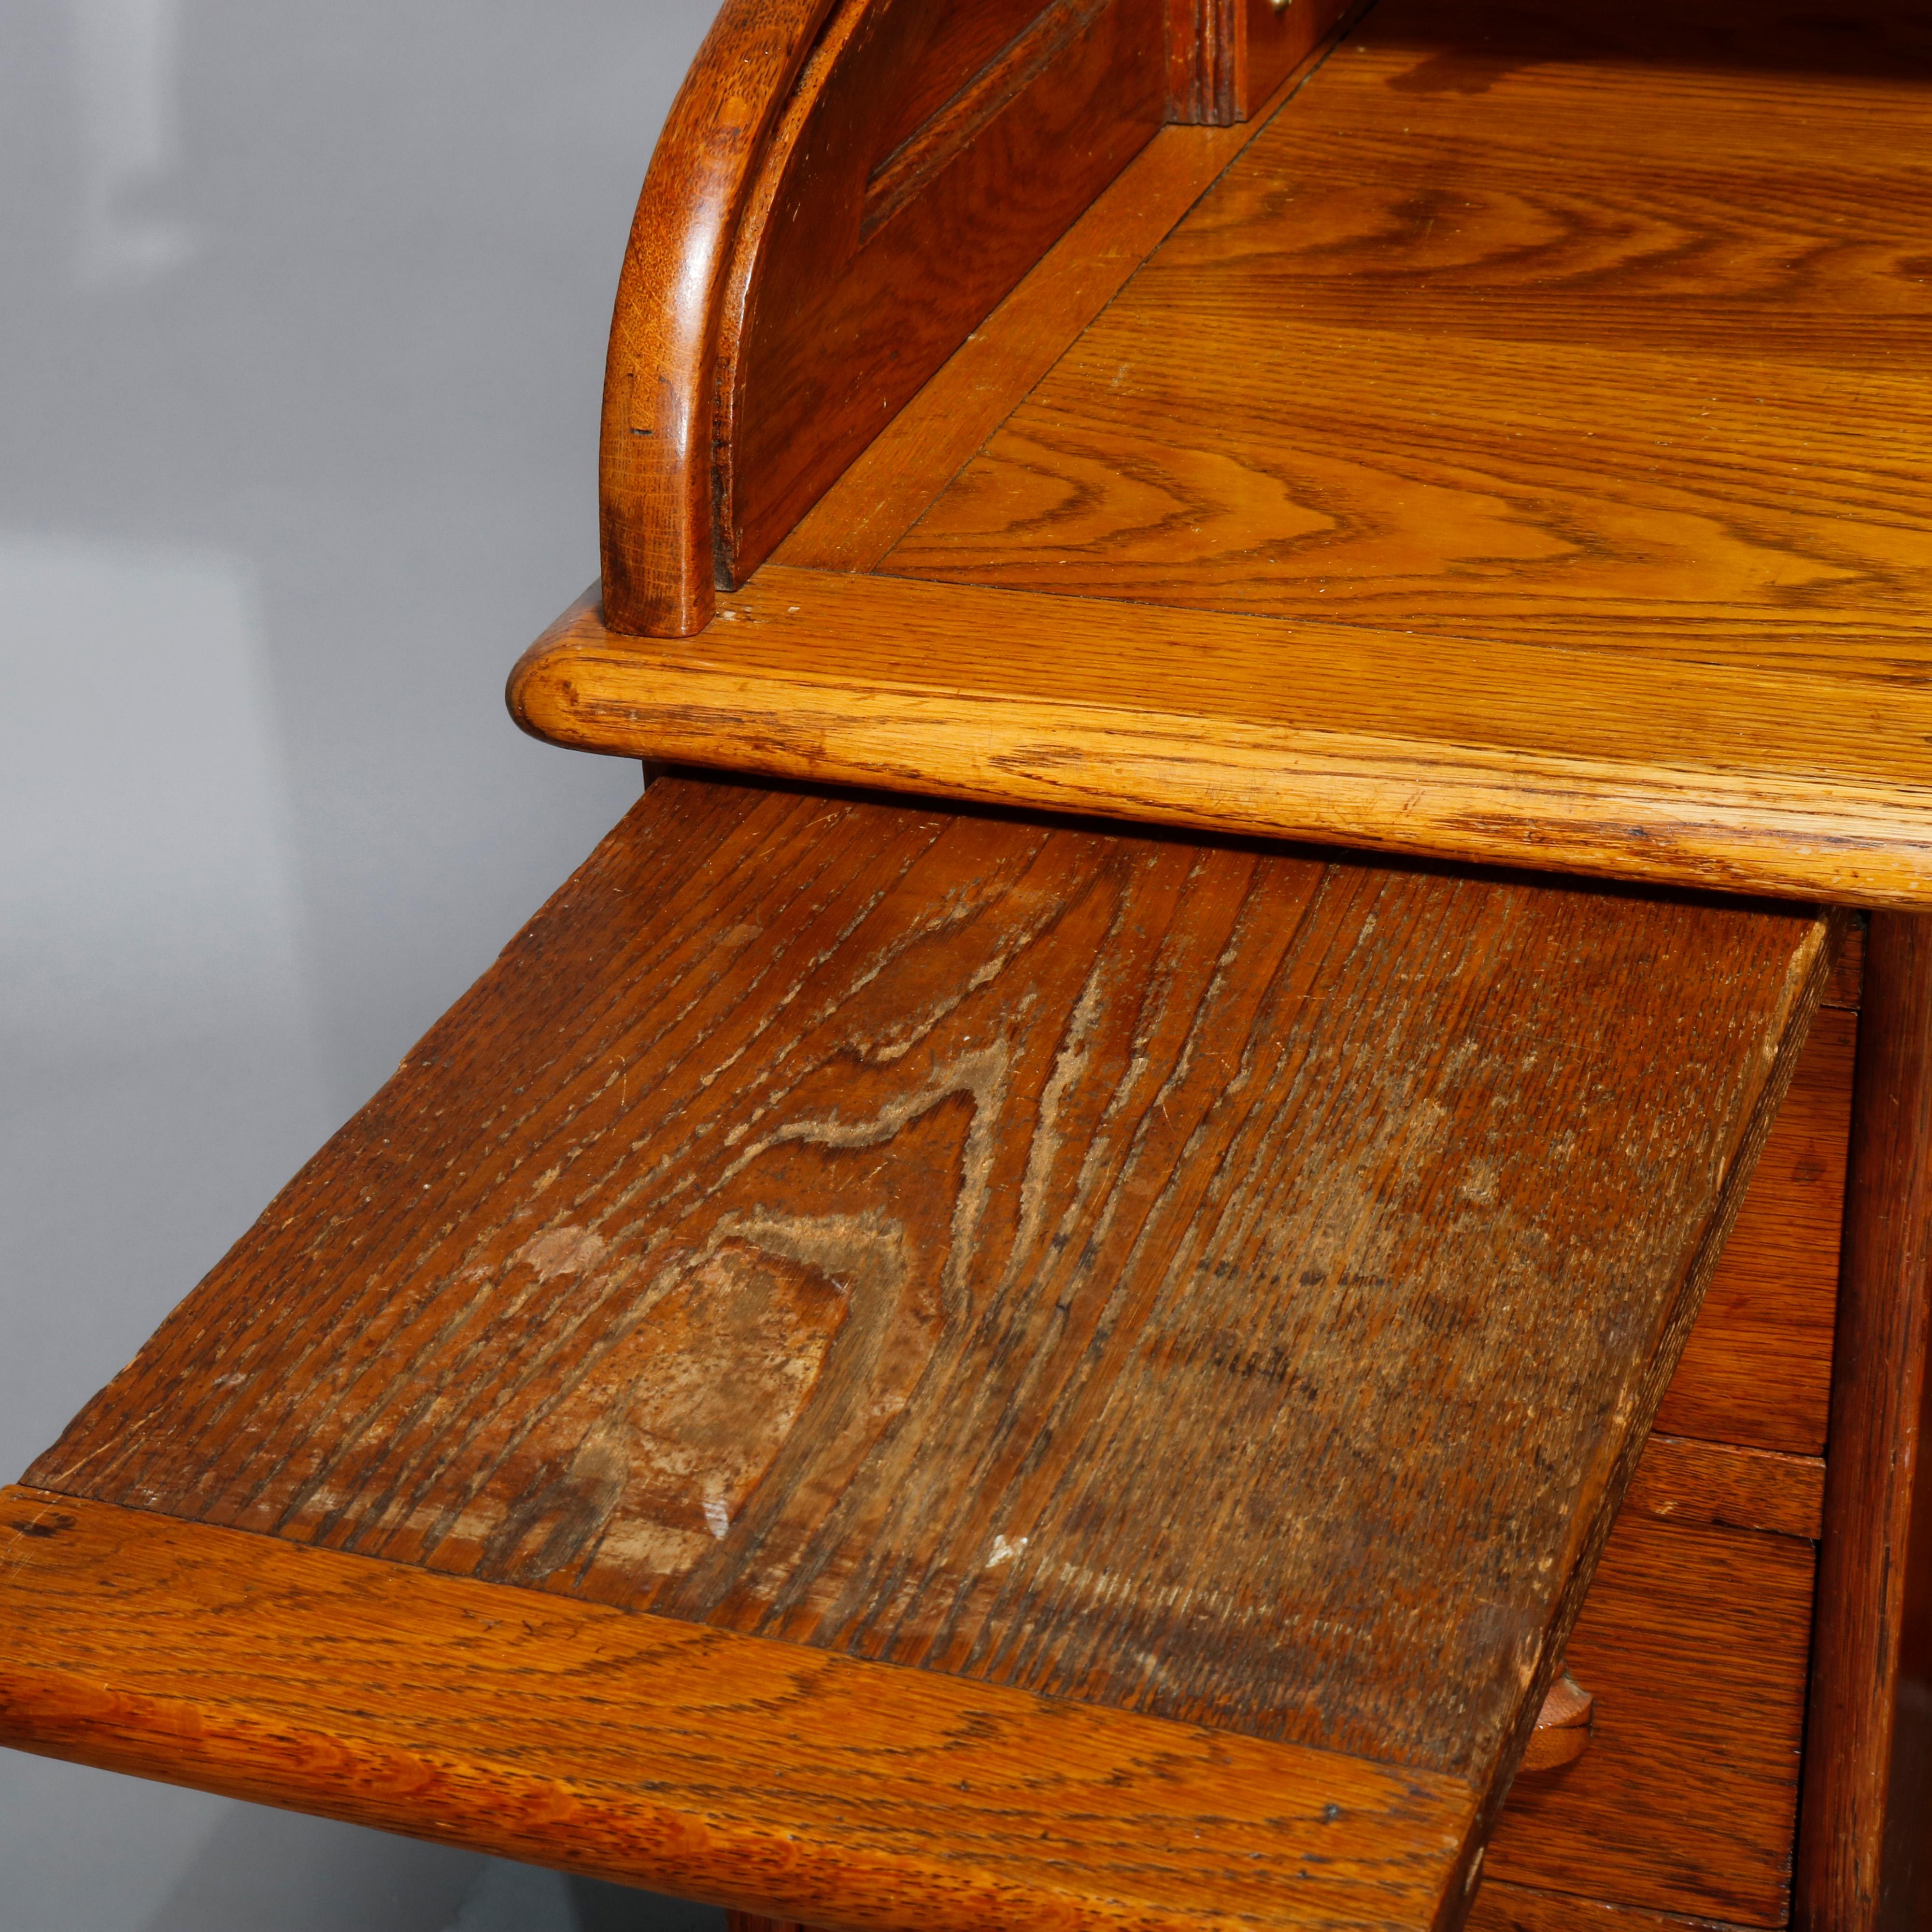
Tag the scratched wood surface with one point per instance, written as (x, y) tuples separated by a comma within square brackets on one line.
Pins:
[(1500, 1907), (720, 1767), (1100, 1263)]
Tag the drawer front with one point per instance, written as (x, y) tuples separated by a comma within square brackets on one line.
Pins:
[(1516, 1908), (1694, 1643)]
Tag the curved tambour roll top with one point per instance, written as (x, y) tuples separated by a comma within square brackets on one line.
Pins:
[(844, 190)]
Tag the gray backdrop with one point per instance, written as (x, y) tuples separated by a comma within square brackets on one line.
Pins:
[(302, 311)]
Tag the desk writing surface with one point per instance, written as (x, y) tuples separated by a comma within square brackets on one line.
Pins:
[(1522, 451)]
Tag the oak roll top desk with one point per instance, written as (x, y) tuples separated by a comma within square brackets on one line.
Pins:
[(1218, 1216)]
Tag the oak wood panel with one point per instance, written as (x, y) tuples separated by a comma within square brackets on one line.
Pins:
[(1682, 1480), (892, 481), (1865, 1853), (815, 1222), (720, 1767), (1505, 753), (1694, 1643), (655, 465), (1757, 1369), (876, 243), (1276, 36), (1500, 1907), (882, 493), (1514, 336), (958, 49)]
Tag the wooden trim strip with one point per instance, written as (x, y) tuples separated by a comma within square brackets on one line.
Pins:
[(1504, 753), (1682, 1479), (789, 1782), (1864, 1858), (656, 455)]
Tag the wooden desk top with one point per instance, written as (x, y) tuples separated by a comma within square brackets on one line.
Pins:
[(1520, 452)]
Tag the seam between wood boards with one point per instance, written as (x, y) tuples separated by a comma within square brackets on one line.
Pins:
[(1611, 652), (1304, 72), (828, 676)]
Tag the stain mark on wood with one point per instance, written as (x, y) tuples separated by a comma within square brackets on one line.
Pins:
[(1096, 1262)]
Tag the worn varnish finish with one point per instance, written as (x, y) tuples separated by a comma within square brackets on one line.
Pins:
[(927, 159), (813, 1225), (719, 1766), (1694, 1643), (1865, 1848), (1501, 752), (1757, 1370)]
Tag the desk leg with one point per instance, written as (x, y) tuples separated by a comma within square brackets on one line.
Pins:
[(1864, 1854)]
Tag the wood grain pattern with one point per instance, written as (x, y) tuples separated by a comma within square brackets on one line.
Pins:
[(1276, 36), (813, 1224), (1757, 1370), (1500, 1907), (1694, 1643), (1865, 1852), (1681, 1480), (719, 1767), (1502, 753), (883, 492), (1846, 987), (876, 243), (890, 484), (843, 188), (655, 465), (1520, 336), (1202, 52)]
